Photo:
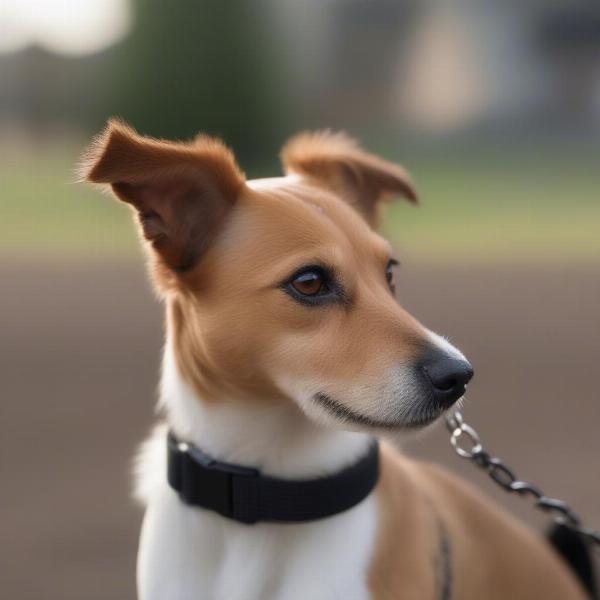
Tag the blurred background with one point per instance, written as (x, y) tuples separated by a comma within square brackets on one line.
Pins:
[(494, 107)]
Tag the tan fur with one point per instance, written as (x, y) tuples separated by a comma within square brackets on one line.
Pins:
[(236, 283), (223, 250), (181, 191), (337, 161), (490, 550), (406, 561)]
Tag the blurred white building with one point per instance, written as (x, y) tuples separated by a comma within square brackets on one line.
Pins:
[(448, 64)]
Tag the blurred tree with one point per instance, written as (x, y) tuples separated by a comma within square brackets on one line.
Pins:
[(206, 65)]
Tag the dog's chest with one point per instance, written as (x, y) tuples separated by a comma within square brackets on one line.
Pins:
[(186, 554)]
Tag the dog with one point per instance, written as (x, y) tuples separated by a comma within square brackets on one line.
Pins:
[(287, 357)]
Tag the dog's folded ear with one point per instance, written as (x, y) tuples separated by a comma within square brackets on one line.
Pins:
[(181, 191), (337, 162)]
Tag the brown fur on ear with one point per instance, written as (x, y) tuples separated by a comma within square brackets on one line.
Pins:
[(181, 191), (336, 161)]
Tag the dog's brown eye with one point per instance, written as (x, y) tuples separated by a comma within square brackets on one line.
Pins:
[(309, 283), (314, 285), (389, 273)]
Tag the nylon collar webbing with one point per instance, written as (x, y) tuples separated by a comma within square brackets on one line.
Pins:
[(244, 494)]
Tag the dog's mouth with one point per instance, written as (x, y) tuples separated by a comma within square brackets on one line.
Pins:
[(414, 418)]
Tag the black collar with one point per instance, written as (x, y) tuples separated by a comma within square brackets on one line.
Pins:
[(246, 495)]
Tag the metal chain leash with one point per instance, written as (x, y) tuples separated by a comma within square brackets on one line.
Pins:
[(467, 445)]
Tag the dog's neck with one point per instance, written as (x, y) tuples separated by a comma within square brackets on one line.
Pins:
[(278, 439)]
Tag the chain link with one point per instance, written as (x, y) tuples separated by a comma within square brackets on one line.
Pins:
[(466, 443)]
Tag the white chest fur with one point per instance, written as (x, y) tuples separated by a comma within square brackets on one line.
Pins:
[(188, 553)]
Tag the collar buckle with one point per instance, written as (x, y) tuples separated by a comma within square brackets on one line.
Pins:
[(230, 490)]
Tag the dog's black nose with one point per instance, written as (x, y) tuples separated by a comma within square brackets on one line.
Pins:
[(448, 377)]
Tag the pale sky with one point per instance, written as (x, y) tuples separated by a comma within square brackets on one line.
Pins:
[(63, 26)]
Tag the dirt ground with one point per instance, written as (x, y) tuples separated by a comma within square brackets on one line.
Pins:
[(79, 356)]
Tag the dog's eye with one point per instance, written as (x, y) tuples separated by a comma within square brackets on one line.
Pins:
[(314, 285), (309, 283), (389, 273)]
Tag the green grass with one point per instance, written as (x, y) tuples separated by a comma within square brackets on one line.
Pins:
[(481, 208), (45, 212), (475, 207)]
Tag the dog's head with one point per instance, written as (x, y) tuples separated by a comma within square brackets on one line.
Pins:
[(279, 290)]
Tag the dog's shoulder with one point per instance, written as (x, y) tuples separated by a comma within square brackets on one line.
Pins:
[(406, 542), (477, 527)]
